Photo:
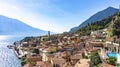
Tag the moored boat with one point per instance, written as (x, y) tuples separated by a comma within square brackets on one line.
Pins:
[(10, 46)]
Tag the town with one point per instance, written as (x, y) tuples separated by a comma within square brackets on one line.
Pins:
[(59, 33), (94, 45), (69, 50)]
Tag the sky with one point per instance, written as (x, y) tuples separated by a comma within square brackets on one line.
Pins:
[(54, 15)]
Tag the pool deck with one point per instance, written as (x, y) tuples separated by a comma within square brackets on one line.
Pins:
[(118, 59)]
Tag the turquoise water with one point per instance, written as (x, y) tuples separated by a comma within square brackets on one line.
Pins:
[(112, 55), (7, 56)]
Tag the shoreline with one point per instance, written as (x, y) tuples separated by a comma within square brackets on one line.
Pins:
[(16, 53)]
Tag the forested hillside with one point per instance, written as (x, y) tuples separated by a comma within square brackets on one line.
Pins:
[(112, 23)]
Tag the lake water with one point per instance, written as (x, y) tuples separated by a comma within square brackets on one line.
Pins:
[(7, 56)]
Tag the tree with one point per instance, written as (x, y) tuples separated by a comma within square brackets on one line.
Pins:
[(36, 51), (23, 60), (23, 63), (95, 59), (111, 60), (117, 41)]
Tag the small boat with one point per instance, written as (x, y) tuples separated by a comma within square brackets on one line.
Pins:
[(10, 46)]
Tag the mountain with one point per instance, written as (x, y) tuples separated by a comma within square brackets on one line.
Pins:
[(97, 17), (112, 24), (9, 26)]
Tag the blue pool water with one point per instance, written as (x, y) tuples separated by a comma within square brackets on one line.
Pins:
[(112, 55)]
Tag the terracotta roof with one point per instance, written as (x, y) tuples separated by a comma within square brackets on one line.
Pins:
[(67, 65), (76, 57), (27, 65), (96, 43), (82, 63), (43, 64), (33, 58), (107, 65), (39, 63), (59, 60)]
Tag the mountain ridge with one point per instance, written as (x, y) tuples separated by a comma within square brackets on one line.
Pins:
[(96, 17), (111, 24), (10, 26)]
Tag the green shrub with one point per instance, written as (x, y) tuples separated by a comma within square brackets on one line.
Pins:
[(95, 59), (23, 63), (36, 51), (23, 58), (111, 60)]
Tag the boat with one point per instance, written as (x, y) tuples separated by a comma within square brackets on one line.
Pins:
[(10, 46)]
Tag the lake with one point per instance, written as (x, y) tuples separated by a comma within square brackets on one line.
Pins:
[(7, 56)]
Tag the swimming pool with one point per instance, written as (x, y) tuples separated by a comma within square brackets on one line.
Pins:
[(112, 54)]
